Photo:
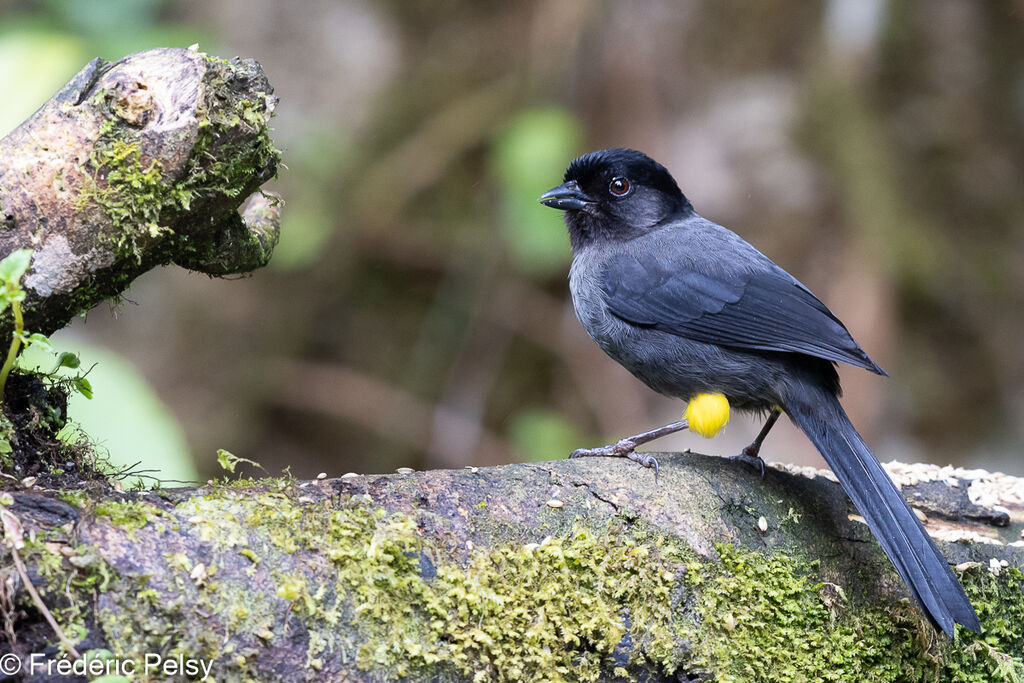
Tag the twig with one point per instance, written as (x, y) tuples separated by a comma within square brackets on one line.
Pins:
[(7, 608), (13, 537)]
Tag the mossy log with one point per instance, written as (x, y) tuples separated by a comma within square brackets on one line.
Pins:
[(133, 164), (571, 570)]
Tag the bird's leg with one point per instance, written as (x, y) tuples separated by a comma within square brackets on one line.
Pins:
[(625, 448), (754, 448), (749, 454)]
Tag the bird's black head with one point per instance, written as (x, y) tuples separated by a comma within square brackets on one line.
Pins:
[(615, 194)]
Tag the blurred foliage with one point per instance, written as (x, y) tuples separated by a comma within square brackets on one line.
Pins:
[(312, 210), (528, 154), (542, 435), (104, 17), (34, 63), (41, 50), (416, 311)]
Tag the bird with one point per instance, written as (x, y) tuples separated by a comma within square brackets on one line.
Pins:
[(697, 313)]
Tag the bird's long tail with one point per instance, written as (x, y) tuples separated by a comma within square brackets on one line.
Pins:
[(819, 415)]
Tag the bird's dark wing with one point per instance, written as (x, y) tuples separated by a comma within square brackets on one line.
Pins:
[(766, 309)]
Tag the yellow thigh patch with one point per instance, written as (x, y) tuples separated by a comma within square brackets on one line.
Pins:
[(707, 414)]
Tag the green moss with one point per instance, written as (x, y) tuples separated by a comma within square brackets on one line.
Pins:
[(93, 572), (66, 585), (232, 169), (569, 608), (50, 574), (132, 193), (7, 440), (78, 498), (253, 557), (998, 653), (557, 610), (128, 515), (215, 60), (291, 588), (231, 151), (764, 618)]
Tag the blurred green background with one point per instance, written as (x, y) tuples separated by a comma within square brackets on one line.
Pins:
[(416, 311)]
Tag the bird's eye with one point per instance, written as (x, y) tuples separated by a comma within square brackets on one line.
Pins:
[(619, 186)]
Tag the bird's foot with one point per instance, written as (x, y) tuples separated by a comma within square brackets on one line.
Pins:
[(626, 448), (621, 449), (751, 459)]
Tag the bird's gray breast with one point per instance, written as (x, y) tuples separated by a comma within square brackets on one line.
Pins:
[(622, 341), (589, 303)]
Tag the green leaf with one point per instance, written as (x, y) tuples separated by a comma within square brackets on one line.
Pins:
[(229, 461), (69, 360), (82, 386), (40, 341), (15, 265)]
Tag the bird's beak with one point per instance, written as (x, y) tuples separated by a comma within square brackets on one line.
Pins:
[(567, 197)]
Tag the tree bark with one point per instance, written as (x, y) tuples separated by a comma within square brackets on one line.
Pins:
[(571, 570), (133, 164)]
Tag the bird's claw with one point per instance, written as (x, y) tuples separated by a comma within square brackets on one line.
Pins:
[(754, 461), (645, 460)]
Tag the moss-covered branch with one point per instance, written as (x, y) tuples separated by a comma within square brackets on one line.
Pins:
[(571, 570), (134, 164)]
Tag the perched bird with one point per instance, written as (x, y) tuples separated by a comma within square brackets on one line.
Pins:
[(697, 313)]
